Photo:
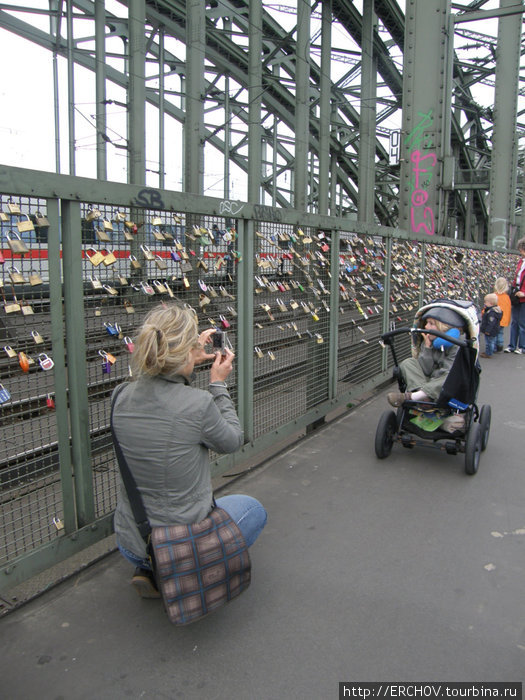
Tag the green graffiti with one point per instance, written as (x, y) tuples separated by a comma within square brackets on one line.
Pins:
[(415, 137)]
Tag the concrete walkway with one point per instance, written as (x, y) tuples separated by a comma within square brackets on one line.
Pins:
[(403, 569)]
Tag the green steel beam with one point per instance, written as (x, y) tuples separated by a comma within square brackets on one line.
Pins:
[(59, 358), (503, 173), (195, 93), (76, 362), (137, 93), (255, 94)]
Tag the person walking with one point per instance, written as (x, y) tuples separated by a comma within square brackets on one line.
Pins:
[(517, 323)]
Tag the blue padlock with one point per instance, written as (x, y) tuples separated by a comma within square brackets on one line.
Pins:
[(112, 329), (4, 394)]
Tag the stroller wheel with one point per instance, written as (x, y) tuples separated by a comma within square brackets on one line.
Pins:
[(484, 421), (386, 430), (473, 449)]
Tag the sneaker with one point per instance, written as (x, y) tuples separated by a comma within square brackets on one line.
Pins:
[(519, 351), (396, 398), (143, 582), (509, 349)]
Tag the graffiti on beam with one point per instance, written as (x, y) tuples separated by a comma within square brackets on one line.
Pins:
[(423, 164), (229, 207), (150, 199), (264, 213)]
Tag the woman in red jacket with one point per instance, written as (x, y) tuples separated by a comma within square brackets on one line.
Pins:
[(517, 324)]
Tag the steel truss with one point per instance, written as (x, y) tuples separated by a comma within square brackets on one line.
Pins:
[(311, 130)]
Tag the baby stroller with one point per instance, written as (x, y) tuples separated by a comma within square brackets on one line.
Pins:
[(428, 423)]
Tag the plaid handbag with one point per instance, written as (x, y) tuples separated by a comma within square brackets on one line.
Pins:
[(198, 568)]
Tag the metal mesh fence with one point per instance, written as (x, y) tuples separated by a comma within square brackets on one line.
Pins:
[(30, 496), (291, 323), (133, 259)]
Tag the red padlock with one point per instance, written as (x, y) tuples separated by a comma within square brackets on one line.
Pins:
[(49, 402), (23, 361)]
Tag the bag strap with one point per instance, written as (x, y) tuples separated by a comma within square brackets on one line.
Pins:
[(135, 499)]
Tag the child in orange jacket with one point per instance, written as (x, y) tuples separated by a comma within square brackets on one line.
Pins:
[(501, 287)]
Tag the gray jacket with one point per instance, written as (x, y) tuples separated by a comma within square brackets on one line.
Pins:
[(165, 428)]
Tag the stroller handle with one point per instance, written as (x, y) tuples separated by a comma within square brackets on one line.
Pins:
[(398, 331)]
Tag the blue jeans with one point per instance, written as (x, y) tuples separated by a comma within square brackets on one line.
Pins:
[(490, 344), (246, 511), (500, 341), (517, 327)]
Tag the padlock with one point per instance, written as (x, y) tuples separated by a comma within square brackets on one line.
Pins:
[(12, 307), (45, 362), (16, 244), (157, 221), (174, 255), (13, 208), (108, 226), (130, 226), (282, 306), (16, 276), (106, 366), (202, 265), (50, 403), (185, 282), (4, 217), (129, 344), (93, 215), (203, 286), (37, 337), (41, 221), (128, 235), (26, 309), (109, 258), (130, 309), (147, 288), (4, 394), (158, 235), (9, 351), (123, 280), (25, 225), (34, 278), (134, 262), (23, 361), (2, 259), (109, 289), (112, 328), (160, 262), (258, 352), (95, 282), (102, 235), (224, 322), (147, 252), (160, 287), (95, 257)]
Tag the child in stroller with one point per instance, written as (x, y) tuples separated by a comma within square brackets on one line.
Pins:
[(438, 385)]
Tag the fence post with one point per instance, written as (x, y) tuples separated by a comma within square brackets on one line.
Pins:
[(246, 236), (76, 361), (57, 341)]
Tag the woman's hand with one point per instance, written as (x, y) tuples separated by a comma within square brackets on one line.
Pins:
[(222, 366), (200, 355), (520, 294)]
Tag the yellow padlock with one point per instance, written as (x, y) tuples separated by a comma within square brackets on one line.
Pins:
[(26, 225), (109, 258), (95, 257)]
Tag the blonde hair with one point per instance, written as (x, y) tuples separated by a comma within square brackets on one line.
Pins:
[(165, 340), (491, 299), (440, 326), (501, 286)]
